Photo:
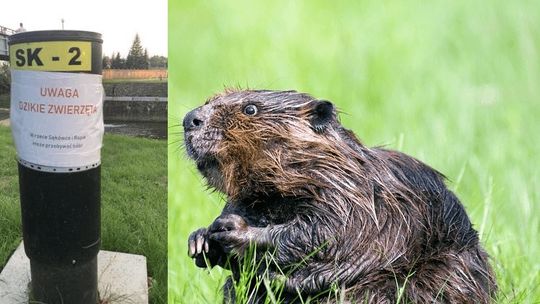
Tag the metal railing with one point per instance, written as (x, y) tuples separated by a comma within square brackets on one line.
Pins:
[(4, 31)]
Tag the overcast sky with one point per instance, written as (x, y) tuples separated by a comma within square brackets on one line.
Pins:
[(117, 20)]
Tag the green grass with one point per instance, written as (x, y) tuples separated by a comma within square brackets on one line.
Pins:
[(455, 84), (10, 213), (134, 206)]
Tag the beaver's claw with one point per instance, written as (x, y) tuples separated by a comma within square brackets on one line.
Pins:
[(200, 250), (198, 242)]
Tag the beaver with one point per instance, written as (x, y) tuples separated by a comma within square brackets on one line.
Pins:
[(375, 224)]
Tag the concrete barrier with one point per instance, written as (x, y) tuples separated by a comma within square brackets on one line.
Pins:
[(135, 109), (136, 89)]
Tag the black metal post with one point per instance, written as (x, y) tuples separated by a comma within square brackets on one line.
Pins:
[(60, 204)]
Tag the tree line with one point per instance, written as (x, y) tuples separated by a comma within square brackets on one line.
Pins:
[(5, 79), (137, 58)]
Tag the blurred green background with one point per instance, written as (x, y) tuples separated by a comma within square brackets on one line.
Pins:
[(453, 83)]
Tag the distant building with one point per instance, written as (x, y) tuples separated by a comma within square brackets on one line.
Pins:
[(4, 50)]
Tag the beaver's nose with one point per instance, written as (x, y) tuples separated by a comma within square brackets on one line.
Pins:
[(192, 121)]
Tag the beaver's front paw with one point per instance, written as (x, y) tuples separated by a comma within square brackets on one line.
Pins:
[(232, 232), (204, 251), (228, 222)]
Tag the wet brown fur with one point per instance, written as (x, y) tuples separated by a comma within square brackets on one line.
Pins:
[(299, 184)]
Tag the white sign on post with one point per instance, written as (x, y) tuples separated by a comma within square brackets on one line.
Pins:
[(57, 118)]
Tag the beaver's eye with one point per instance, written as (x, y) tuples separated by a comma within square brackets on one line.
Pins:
[(250, 110)]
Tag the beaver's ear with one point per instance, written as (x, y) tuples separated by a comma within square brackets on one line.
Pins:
[(322, 114)]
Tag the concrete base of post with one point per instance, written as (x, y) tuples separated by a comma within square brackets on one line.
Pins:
[(122, 278)]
